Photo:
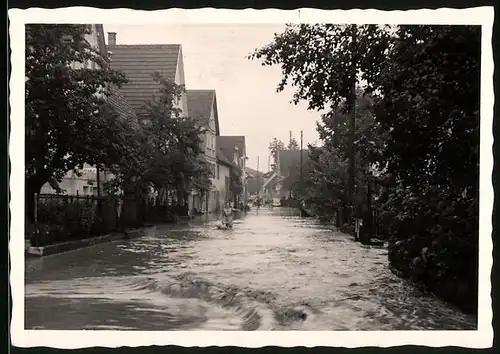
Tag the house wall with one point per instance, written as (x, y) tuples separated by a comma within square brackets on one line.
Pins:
[(179, 80), (220, 183), (86, 184), (211, 202), (210, 142), (93, 40)]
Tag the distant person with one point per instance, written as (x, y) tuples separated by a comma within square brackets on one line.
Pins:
[(227, 215)]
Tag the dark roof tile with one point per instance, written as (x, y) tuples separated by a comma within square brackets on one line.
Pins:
[(221, 157), (117, 100), (200, 104), (138, 63)]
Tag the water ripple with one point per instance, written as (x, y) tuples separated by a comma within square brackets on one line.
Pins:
[(273, 271)]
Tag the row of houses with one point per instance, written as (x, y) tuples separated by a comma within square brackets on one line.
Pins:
[(225, 154)]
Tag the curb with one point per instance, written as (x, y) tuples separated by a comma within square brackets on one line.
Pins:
[(42, 251)]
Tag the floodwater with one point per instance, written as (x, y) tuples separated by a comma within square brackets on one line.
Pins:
[(273, 271)]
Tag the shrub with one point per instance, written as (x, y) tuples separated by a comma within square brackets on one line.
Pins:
[(45, 234), (63, 219)]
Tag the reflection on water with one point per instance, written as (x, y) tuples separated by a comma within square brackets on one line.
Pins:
[(273, 271)]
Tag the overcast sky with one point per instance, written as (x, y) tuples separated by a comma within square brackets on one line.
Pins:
[(215, 58)]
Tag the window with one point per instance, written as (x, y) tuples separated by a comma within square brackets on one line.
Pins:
[(85, 190), (218, 171)]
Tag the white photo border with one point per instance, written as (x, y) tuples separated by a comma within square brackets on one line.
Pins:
[(480, 338)]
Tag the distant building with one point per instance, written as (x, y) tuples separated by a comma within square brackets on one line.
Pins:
[(255, 180)]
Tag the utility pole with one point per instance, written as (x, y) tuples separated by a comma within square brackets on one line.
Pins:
[(352, 121)]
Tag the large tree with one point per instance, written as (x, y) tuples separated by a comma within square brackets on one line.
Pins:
[(174, 143), (424, 82), (65, 104)]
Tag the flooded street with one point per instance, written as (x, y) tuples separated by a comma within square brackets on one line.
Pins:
[(273, 271)]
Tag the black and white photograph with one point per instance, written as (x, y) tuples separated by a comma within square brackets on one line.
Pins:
[(321, 178)]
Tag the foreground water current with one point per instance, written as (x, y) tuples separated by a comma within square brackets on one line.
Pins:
[(273, 271)]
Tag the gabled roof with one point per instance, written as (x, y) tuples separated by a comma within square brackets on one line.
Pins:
[(200, 104), (116, 98), (255, 182), (120, 104), (138, 63), (226, 142)]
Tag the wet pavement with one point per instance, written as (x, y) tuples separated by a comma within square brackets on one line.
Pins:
[(273, 271)]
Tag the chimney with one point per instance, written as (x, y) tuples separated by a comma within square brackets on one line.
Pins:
[(111, 38)]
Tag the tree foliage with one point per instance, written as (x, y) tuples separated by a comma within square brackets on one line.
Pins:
[(170, 145), (420, 128), (292, 144), (235, 185)]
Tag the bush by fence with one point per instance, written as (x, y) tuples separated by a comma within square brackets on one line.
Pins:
[(155, 211), (61, 218)]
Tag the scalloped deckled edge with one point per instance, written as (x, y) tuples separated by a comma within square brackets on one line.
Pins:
[(482, 338)]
